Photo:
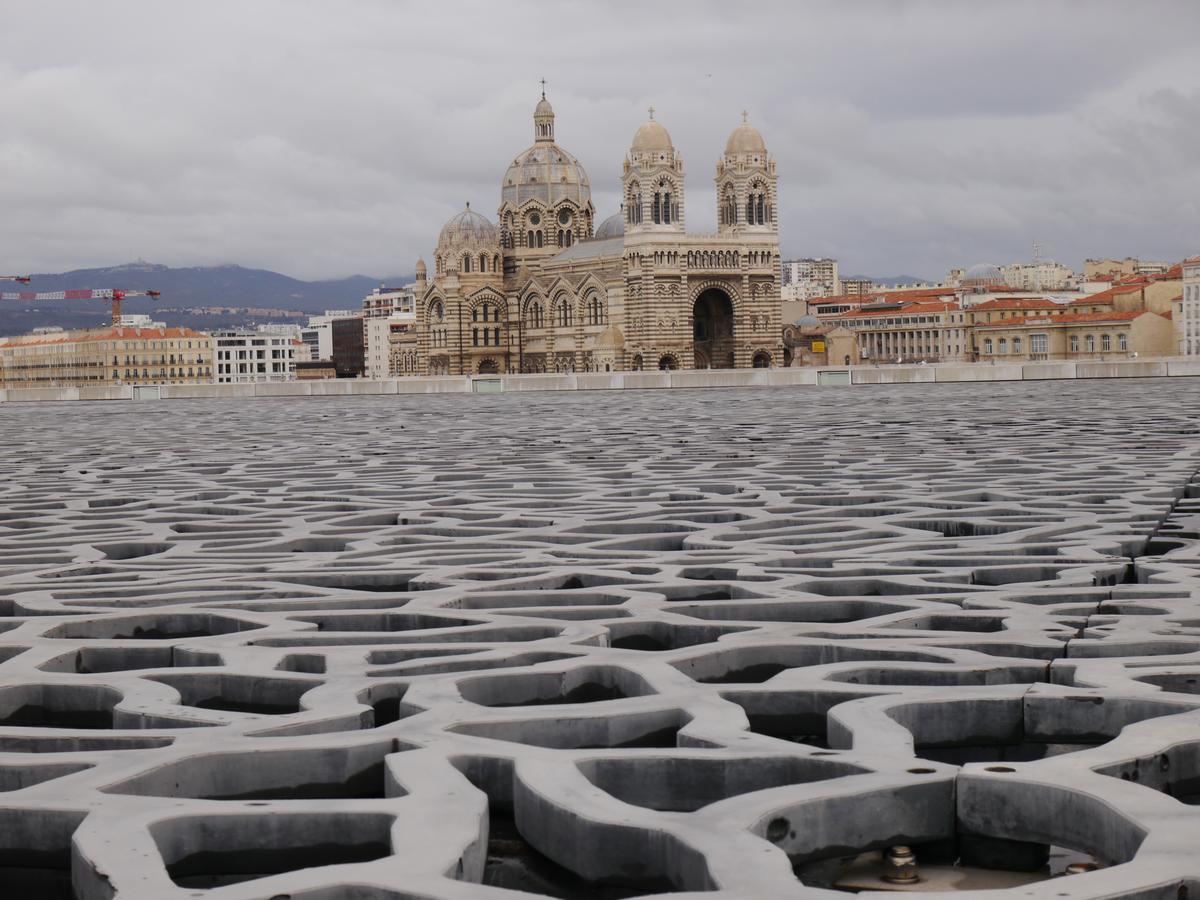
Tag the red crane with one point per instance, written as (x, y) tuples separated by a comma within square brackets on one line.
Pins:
[(113, 296)]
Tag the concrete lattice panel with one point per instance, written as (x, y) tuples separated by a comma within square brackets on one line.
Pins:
[(600, 645)]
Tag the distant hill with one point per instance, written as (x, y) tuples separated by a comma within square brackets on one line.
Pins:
[(230, 286), (892, 280)]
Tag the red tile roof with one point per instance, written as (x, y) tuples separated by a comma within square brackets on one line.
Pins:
[(100, 334), (1017, 303), (1070, 318), (903, 309), (885, 296)]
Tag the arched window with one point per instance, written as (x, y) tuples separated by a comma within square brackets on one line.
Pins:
[(569, 238), (655, 211), (564, 313), (529, 241), (474, 337), (483, 262), (539, 238), (666, 208), (1016, 345), (1122, 342), (759, 209), (496, 263), (561, 238), (496, 336), (466, 264), (1090, 343), (1106, 342), (750, 210)]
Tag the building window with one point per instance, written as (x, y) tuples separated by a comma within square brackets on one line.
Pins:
[(474, 337), (987, 345), (1003, 346), (1090, 342), (1106, 342), (466, 264), (1039, 343), (1122, 342), (1074, 343), (1016, 345)]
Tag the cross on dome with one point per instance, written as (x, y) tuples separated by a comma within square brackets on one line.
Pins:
[(651, 112), (543, 88), (744, 115)]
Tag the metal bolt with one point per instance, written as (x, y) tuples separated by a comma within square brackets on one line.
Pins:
[(900, 866)]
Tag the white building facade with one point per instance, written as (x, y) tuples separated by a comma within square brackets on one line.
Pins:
[(383, 355), (317, 335), (804, 279), (246, 357), (1189, 320), (387, 314), (1041, 275)]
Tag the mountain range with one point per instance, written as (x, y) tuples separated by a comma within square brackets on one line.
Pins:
[(184, 288)]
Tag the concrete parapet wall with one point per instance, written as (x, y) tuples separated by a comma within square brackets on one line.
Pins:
[(1121, 370), (1183, 367), (916, 374), (205, 391), (615, 381), (977, 372), (444, 384), (1047, 371)]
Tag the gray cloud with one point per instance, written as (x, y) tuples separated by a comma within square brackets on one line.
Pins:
[(326, 138)]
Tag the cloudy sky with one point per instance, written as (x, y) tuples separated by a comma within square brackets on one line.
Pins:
[(323, 139)]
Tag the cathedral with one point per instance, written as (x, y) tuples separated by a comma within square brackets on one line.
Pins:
[(545, 289)]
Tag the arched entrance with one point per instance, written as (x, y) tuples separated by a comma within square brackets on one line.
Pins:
[(762, 360), (712, 329), (668, 363), (489, 367)]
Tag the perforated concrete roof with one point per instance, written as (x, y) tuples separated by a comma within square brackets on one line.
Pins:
[(600, 644)]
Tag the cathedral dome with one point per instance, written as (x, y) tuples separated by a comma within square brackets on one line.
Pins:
[(548, 173), (745, 139), (613, 226), (651, 138), (981, 275), (468, 228)]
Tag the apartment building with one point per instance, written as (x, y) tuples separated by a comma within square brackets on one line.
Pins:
[(1188, 322), (908, 331), (107, 356), (1107, 334), (253, 356)]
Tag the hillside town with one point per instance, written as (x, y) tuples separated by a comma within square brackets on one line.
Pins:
[(548, 287), (1115, 309)]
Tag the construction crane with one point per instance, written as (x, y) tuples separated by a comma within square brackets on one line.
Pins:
[(113, 296)]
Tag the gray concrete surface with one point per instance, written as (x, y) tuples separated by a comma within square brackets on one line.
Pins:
[(597, 644)]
